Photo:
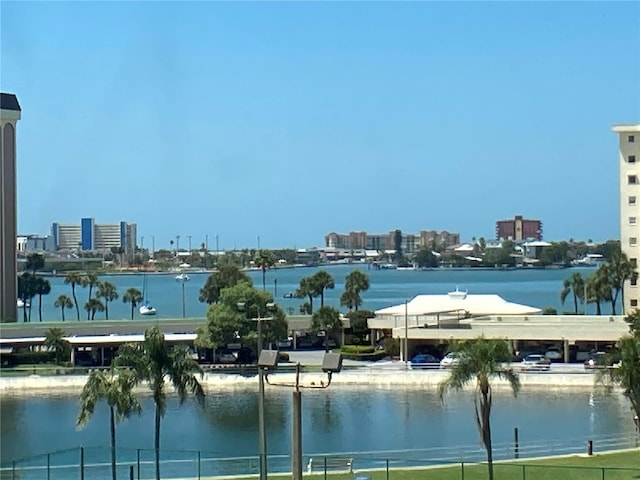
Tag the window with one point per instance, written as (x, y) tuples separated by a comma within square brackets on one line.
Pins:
[(632, 200), (632, 159), (633, 262), (633, 241), (631, 139), (632, 220), (634, 302), (634, 280), (632, 179)]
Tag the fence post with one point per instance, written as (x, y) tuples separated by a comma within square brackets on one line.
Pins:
[(130, 472), (13, 470), (387, 469), (48, 466), (602, 473), (198, 464), (516, 448), (462, 470), (524, 472), (138, 464), (325, 468), (81, 463), (590, 447)]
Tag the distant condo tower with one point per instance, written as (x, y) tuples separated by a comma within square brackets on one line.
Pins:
[(629, 156), (9, 116)]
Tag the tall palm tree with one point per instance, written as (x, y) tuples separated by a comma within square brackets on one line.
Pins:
[(116, 389), (480, 361), (575, 285), (63, 302), (599, 288), (74, 278), (54, 340), (264, 260), (108, 291), (306, 290), (42, 287), (620, 270), (355, 283), (26, 292), (132, 296), (35, 262), (153, 361), (321, 281), (92, 306), (90, 280)]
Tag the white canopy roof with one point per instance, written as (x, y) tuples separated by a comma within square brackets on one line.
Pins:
[(475, 305)]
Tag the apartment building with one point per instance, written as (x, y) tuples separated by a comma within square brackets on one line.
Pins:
[(629, 156), (93, 236), (10, 113), (410, 242), (518, 229)]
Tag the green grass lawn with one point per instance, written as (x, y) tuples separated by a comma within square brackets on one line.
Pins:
[(605, 466)]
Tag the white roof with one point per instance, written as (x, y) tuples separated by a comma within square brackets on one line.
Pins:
[(102, 339), (475, 305), (537, 243), (464, 248)]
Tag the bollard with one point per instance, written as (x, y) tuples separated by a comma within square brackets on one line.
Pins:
[(590, 447), (462, 471), (48, 466), (199, 465), (516, 447), (387, 469), (138, 464), (13, 470), (130, 472), (81, 463)]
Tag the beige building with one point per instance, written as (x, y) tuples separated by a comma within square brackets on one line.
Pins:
[(9, 115), (629, 156)]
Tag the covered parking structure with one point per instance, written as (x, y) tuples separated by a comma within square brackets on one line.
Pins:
[(439, 320)]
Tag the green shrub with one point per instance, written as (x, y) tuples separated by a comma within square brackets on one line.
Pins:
[(357, 349), (27, 358), (391, 346)]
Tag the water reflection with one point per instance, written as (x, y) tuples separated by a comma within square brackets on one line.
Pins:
[(338, 419)]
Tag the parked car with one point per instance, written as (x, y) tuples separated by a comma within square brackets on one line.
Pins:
[(425, 360), (554, 354), (597, 360), (226, 356), (535, 362), (449, 360)]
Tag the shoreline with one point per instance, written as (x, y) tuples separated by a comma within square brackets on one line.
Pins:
[(359, 377)]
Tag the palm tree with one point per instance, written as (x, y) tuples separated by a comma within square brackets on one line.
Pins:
[(35, 262), (74, 278), (92, 306), (327, 320), (63, 302), (481, 360), (26, 292), (355, 283), (599, 288), (321, 281), (116, 389), (620, 270), (90, 280), (42, 287), (54, 340), (306, 290), (152, 361), (264, 260), (108, 291), (574, 284), (132, 296)]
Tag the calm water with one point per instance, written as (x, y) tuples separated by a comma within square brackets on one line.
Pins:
[(338, 419), (539, 288)]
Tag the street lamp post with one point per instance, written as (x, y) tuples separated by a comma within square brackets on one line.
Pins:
[(331, 363), (265, 361)]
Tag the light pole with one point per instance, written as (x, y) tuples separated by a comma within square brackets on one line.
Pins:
[(406, 334), (153, 247), (331, 363), (189, 238), (265, 361)]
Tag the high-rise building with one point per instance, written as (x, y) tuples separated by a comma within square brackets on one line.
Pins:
[(629, 156), (94, 236), (10, 112), (410, 242), (518, 229)]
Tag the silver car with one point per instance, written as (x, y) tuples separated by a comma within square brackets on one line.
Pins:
[(535, 362)]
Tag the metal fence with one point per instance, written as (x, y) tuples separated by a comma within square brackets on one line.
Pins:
[(83, 463)]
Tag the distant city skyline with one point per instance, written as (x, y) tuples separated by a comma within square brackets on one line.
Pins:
[(285, 121)]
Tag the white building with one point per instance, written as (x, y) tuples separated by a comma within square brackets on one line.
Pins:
[(629, 156)]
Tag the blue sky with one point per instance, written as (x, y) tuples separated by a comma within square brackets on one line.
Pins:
[(286, 121)]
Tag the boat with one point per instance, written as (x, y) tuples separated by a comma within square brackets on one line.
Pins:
[(288, 295), (589, 260), (183, 277), (21, 303), (146, 308)]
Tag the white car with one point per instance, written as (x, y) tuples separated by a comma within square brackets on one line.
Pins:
[(554, 353), (449, 360), (227, 356), (535, 362)]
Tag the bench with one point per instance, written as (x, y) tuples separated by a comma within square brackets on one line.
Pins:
[(318, 464)]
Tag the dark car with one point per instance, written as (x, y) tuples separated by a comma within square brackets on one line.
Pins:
[(425, 360), (598, 360)]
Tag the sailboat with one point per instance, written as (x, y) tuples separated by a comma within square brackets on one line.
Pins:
[(146, 308)]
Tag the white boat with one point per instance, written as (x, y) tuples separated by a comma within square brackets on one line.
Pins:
[(21, 303), (589, 260), (183, 277), (147, 309)]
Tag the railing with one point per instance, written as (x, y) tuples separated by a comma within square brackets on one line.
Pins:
[(95, 463)]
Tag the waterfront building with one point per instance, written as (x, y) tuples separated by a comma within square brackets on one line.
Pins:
[(518, 229), (10, 113), (34, 243), (410, 242), (93, 236), (629, 156)]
